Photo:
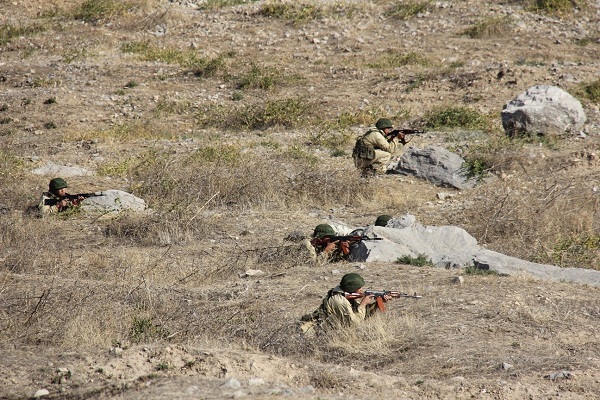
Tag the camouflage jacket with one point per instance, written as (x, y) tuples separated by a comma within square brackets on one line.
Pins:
[(376, 139)]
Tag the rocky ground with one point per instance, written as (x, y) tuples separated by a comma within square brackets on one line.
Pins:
[(73, 93)]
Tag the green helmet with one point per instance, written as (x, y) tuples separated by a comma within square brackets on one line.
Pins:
[(382, 220), (383, 123), (351, 282), (56, 184), (323, 230)]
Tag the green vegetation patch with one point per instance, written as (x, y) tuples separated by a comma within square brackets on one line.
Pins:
[(261, 77), (294, 12), (9, 32), (451, 117), (189, 59), (577, 250), (287, 113), (145, 330), (420, 261), (407, 9), (472, 270), (94, 11), (476, 167), (490, 27), (9, 163), (559, 7), (592, 91)]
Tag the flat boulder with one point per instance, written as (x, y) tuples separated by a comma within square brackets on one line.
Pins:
[(453, 247), (542, 110), (436, 165), (52, 169), (113, 201)]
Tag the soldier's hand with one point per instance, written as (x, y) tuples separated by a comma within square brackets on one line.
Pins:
[(370, 299), (331, 246), (345, 246), (78, 200)]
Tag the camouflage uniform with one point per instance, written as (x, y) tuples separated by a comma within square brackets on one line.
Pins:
[(49, 199), (373, 151), (336, 310)]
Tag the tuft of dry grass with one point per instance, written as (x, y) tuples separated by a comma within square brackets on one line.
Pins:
[(490, 27)]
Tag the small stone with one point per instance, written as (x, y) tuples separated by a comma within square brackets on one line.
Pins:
[(40, 393), (232, 383)]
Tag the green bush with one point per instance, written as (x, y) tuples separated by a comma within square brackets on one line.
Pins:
[(9, 32), (577, 250), (556, 6), (476, 167), (394, 59), (294, 12), (471, 270), (286, 113), (144, 330), (420, 261), (593, 91), (407, 9), (189, 59), (455, 117), (93, 11)]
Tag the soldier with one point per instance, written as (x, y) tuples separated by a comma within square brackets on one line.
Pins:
[(373, 150), (54, 201), (383, 220), (337, 310)]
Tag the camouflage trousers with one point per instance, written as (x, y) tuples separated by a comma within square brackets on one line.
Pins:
[(379, 163)]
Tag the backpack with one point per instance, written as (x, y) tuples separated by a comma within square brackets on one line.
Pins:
[(362, 150)]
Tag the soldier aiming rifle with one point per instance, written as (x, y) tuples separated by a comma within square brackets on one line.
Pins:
[(57, 200), (373, 150)]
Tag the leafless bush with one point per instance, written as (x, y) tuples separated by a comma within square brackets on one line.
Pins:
[(532, 221), (221, 177)]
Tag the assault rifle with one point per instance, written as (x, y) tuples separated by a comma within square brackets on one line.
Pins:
[(325, 240), (71, 197), (396, 132), (378, 294)]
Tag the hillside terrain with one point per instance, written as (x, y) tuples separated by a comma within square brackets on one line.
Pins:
[(235, 121)]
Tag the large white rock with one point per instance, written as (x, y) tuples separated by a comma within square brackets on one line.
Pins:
[(542, 110), (113, 201), (52, 169)]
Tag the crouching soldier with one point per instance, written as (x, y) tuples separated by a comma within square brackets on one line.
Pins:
[(373, 150)]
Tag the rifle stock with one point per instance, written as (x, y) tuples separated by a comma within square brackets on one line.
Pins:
[(379, 296)]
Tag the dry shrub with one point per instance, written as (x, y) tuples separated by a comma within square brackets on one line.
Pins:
[(388, 335), (158, 229), (490, 27), (223, 177), (25, 243), (531, 221), (37, 311)]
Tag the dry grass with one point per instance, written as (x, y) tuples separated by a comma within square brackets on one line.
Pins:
[(234, 147)]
